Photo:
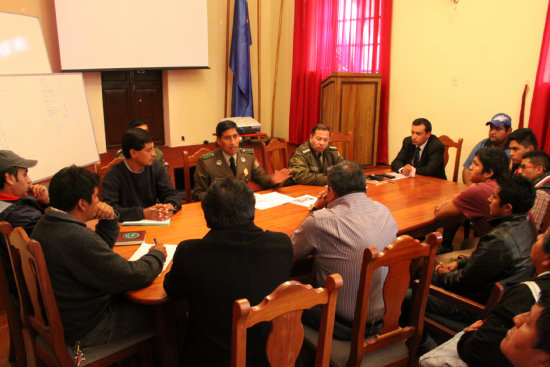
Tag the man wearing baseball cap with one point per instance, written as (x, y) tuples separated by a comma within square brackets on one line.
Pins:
[(21, 204), (500, 127)]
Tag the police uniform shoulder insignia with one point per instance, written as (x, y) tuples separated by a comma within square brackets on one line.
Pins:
[(256, 164), (332, 148), (248, 151), (208, 155), (305, 151)]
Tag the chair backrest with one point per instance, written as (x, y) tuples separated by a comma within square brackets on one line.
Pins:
[(342, 141), (38, 304), (275, 155), (397, 257), (188, 161), (449, 143), (284, 309), (102, 170), (546, 220), (14, 321)]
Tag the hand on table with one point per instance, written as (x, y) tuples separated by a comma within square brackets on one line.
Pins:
[(159, 246), (280, 176), (406, 170), (158, 212)]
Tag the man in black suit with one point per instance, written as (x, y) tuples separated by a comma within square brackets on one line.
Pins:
[(422, 152), (234, 260)]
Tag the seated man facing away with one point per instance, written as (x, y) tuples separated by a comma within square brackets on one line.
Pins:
[(500, 127), (21, 204), (311, 160), (421, 152), (479, 344), (534, 166), (143, 125), (527, 344), (229, 161), (88, 278), (502, 253), (139, 187), (488, 166), (341, 224), (521, 141), (234, 260)]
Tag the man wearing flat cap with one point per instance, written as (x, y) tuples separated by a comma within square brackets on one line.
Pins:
[(500, 128), (21, 203)]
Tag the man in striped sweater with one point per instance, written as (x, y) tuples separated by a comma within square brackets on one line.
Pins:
[(340, 225)]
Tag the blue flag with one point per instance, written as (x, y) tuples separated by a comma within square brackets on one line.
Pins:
[(239, 62)]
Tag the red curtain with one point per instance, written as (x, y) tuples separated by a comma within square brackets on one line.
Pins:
[(332, 36), (539, 119)]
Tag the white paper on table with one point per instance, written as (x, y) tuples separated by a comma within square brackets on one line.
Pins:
[(147, 222), (305, 200), (396, 176), (273, 199), (145, 247)]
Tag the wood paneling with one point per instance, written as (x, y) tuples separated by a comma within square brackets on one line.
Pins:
[(350, 102)]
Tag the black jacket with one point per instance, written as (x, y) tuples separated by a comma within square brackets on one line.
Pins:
[(502, 253), (481, 348), (431, 162), (213, 272)]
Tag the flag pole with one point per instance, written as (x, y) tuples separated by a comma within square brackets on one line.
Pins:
[(226, 58), (276, 67), (259, 16)]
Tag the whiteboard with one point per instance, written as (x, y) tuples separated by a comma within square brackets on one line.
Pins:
[(132, 34), (22, 47), (46, 117)]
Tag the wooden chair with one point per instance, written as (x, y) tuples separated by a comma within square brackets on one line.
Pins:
[(449, 143), (102, 170), (41, 315), (17, 352), (441, 332), (188, 161), (442, 328), (284, 309), (275, 155), (393, 345), (545, 221), (340, 141)]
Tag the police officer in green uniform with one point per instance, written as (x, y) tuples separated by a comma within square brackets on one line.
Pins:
[(231, 161), (311, 160)]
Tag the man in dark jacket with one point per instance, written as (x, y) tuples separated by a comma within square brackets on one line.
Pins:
[(502, 253), (234, 260), (422, 152), (21, 203), (88, 278), (479, 344)]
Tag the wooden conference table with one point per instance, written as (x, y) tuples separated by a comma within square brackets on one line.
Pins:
[(411, 201)]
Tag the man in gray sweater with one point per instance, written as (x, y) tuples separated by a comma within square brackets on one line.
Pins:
[(88, 278)]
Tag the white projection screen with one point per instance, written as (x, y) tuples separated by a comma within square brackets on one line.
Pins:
[(132, 34)]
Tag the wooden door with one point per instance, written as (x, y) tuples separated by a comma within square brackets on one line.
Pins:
[(129, 94)]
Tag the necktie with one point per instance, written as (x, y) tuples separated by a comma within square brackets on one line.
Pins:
[(416, 157), (232, 166), (320, 156)]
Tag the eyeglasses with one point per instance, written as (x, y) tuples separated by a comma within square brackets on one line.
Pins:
[(524, 166)]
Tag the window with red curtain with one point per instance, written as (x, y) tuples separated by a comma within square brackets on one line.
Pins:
[(337, 36), (539, 118)]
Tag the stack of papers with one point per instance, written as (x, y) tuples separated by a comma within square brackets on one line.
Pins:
[(148, 222)]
